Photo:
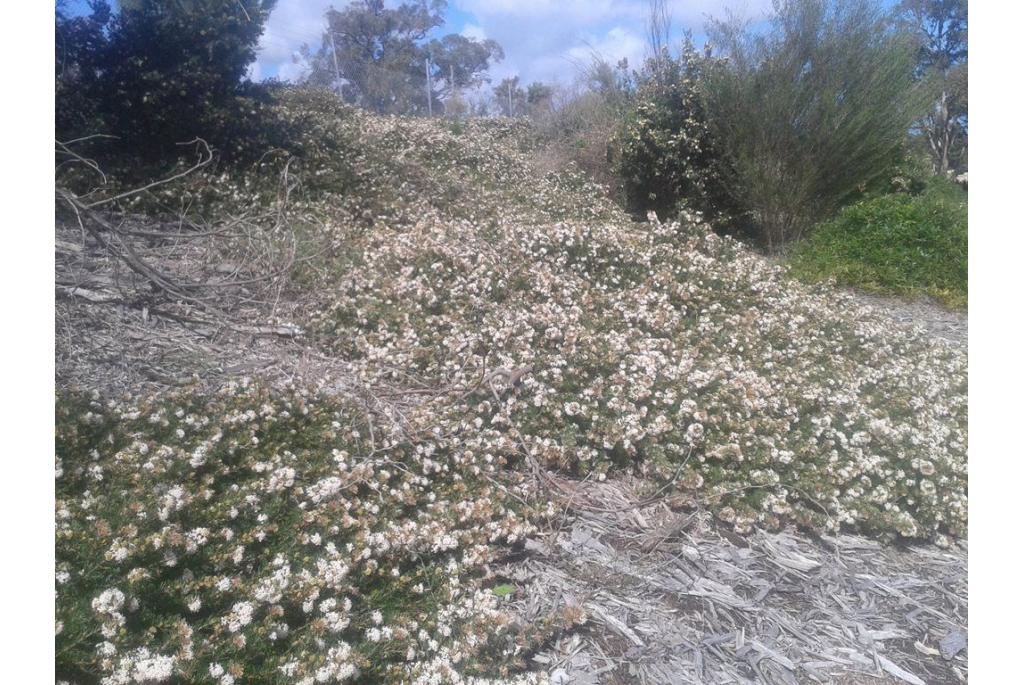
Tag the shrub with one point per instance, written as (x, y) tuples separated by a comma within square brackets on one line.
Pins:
[(578, 123), (254, 536), (897, 243), (155, 74), (809, 110), (665, 152), (658, 347)]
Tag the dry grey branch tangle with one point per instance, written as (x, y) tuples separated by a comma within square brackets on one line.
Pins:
[(701, 605)]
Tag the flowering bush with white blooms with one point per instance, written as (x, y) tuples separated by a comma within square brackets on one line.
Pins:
[(667, 347), (271, 536), (293, 553)]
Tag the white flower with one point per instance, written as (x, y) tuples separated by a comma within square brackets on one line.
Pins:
[(240, 616)]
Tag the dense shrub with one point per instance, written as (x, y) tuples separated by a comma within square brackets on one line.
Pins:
[(665, 152), (897, 243), (154, 74), (254, 536), (207, 539), (810, 109)]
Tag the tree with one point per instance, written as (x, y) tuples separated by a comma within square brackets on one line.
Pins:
[(380, 58), (659, 32), (159, 73), (809, 110), (509, 98), (539, 98), (79, 43), (941, 28)]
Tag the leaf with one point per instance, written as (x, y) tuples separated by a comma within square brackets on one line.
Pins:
[(503, 590)]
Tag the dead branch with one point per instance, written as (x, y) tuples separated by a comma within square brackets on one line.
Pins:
[(205, 156)]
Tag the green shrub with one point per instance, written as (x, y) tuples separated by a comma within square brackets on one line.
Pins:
[(897, 243), (155, 74), (664, 152), (256, 534), (809, 110)]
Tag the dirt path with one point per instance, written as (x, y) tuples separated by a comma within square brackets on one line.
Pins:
[(672, 598), (935, 319)]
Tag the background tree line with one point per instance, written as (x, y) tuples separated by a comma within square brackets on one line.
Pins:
[(153, 73), (767, 130)]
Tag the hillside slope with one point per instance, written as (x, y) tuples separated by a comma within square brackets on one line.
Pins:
[(310, 526)]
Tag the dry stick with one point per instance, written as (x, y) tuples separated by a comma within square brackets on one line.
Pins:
[(205, 157), (75, 157), (656, 497), (128, 254)]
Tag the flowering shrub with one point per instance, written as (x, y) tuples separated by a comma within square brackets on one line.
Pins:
[(668, 346), (665, 151), (260, 536), (256, 537)]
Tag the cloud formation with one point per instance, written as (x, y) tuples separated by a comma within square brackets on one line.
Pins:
[(292, 23), (543, 39)]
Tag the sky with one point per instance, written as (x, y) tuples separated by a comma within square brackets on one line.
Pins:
[(543, 40)]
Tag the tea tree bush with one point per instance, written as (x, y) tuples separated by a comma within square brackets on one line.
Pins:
[(256, 537), (154, 74), (665, 151)]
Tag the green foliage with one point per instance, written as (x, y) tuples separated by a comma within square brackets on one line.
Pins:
[(665, 152), (510, 97), (809, 110), (941, 29), (155, 74), (898, 243), (376, 57), (658, 348), (255, 532)]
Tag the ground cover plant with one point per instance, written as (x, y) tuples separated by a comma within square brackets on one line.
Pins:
[(256, 536), (895, 244), (283, 534)]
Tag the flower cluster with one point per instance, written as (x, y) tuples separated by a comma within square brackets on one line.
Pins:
[(292, 553)]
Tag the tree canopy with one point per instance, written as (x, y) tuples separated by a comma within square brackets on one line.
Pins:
[(941, 29), (379, 58), (157, 73)]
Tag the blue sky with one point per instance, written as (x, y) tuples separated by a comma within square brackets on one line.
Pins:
[(543, 39)]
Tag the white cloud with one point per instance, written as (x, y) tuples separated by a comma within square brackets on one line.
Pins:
[(546, 39), (542, 39), (292, 23), (617, 43), (473, 31)]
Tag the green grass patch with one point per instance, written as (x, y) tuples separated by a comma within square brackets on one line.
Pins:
[(895, 244)]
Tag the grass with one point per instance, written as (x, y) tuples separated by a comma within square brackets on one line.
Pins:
[(906, 245)]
